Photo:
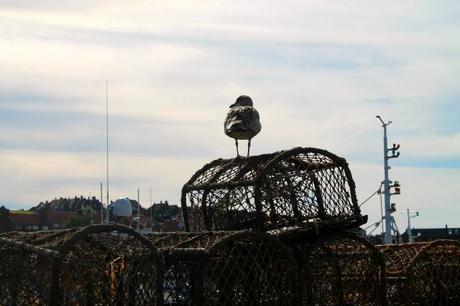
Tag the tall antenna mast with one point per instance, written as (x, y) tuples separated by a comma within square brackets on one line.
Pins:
[(107, 133)]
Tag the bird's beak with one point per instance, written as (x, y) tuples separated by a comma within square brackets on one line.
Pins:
[(232, 105)]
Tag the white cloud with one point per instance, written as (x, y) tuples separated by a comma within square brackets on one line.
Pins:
[(318, 72), (435, 193)]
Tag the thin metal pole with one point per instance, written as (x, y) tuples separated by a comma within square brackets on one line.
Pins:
[(107, 133), (409, 230), (386, 183), (395, 228), (90, 207), (151, 208), (138, 211), (102, 206), (150, 195), (381, 213)]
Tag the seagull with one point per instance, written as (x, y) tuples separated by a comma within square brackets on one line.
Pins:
[(242, 121)]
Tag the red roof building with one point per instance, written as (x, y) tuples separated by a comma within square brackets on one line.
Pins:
[(33, 221), (26, 222), (169, 226), (56, 219)]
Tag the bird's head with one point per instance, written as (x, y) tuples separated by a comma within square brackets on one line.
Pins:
[(242, 101)]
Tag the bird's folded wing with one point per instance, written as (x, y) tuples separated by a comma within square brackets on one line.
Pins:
[(253, 121), (243, 118)]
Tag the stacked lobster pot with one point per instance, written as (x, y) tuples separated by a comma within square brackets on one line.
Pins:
[(305, 198), (298, 192), (95, 265), (226, 268), (425, 273), (271, 229)]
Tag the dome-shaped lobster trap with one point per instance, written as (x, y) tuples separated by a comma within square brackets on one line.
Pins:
[(226, 269), (25, 273), (425, 273), (340, 269), (303, 188), (94, 265)]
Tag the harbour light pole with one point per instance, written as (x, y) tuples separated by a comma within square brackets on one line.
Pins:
[(386, 182)]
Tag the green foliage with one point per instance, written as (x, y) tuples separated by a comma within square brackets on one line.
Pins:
[(81, 219), (77, 221), (87, 211), (22, 211)]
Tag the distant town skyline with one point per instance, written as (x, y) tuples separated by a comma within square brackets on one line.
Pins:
[(319, 72)]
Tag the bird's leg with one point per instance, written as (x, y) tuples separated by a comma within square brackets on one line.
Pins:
[(249, 146), (236, 143)]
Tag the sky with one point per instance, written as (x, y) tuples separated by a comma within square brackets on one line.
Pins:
[(318, 72)]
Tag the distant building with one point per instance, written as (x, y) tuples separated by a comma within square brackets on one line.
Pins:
[(23, 220), (380, 239), (168, 226), (5, 223), (162, 211), (429, 234), (27, 222), (55, 219), (145, 220), (166, 217), (68, 204), (56, 214)]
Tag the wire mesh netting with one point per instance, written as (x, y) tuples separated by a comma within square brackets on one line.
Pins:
[(301, 188), (226, 268), (340, 269), (95, 265), (262, 230), (425, 273), (245, 271), (25, 273), (111, 265)]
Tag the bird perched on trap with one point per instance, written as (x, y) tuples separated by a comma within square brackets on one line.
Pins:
[(242, 121)]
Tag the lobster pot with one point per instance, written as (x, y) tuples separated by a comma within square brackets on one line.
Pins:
[(426, 273), (301, 188), (340, 269), (100, 265), (226, 268), (25, 273)]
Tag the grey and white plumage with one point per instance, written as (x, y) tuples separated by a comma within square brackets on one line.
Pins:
[(242, 121)]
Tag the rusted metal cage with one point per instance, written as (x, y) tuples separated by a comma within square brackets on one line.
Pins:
[(340, 269), (305, 189), (94, 265), (226, 268), (426, 273)]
